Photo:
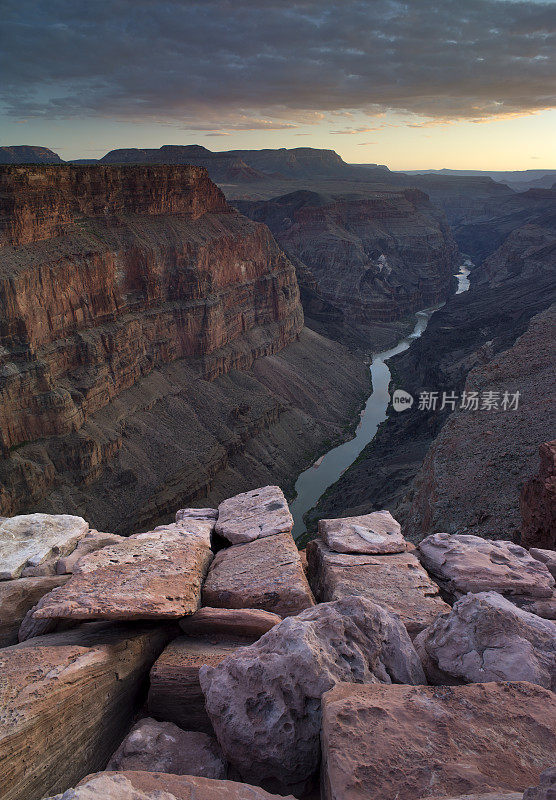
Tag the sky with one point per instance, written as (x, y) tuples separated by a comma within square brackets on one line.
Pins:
[(463, 84)]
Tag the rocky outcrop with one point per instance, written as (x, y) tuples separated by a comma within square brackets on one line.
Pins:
[(17, 597), (547, 557), (474, 742), (28, 541), (264, 701), (397, 582), (229, 622), (546, 788), (153, 746), (266, 574), (538, 503), (70, 683), (486, 638), (158, 786), (375, 257)]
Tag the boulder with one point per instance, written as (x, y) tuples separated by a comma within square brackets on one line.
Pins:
[(163, 747), (196, 513), (397, 582), (152, 575), (547, 557), (265, 574), (250, 622), (264, 700), (545, 607), (462, 564), (17, 597), (546, 790), (377, 533), (31, 627), (91, 542), (254, 515), (175, 692), (487, 638), (158, 786), (538, 502), (394, 742), (28, 540), (67, 700)]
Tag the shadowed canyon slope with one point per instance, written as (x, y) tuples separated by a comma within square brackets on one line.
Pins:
[(135, 303)]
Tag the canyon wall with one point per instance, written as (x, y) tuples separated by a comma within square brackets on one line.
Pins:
[(373, 259), (499, 336), (134, 301)]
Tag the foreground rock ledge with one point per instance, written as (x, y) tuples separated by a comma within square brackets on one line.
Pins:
[(377, 533), (157, 786), (265, 574), (67, 700), (149, 576), (393, 742), (30, 539), (264, 700)]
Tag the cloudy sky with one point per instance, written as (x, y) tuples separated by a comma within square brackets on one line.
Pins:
[(414, 84)]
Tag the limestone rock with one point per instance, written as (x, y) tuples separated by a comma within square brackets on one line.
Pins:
[(546, 790), (264, 700), (67, 700), (154, 746), (377, 533), (17, 597), (196, 513), (461, 564), (545, 607), (159, 786), (30, 539), (394, 742), (175, 692), (254, 515), (88, 544), (148, 576), (487, 638), (547, 557), (31, 627), (265, 574), (250, 622), (538, 502), (397, 582)]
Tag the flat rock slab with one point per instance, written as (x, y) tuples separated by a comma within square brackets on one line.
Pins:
[(393, 742), (158, 786), (196, 513), (377, 533), (30, 539), (163, 747), (67, 700), (264, 700), (265, 574), (462, 563), (487, 638), (397, 582), (249, 622), (17, 597), (175, 692), (254, 515), (153, 575), (90, 543)]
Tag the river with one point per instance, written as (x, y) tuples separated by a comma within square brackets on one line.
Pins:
[(312, 483)]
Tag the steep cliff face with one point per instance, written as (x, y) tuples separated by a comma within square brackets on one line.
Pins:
[(469, 336), (126, 293), (375, 259), (28, 154)]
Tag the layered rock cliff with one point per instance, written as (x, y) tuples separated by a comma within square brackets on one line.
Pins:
[(134, 302), (373, 259)]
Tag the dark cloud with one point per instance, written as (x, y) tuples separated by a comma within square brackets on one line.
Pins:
[(240, 65)]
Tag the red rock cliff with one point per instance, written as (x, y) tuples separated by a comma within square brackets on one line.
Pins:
[(107, 273)]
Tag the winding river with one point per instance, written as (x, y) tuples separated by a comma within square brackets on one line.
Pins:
[(312, 483)]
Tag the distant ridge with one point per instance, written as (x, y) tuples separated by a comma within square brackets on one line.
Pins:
[(28, 154)]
